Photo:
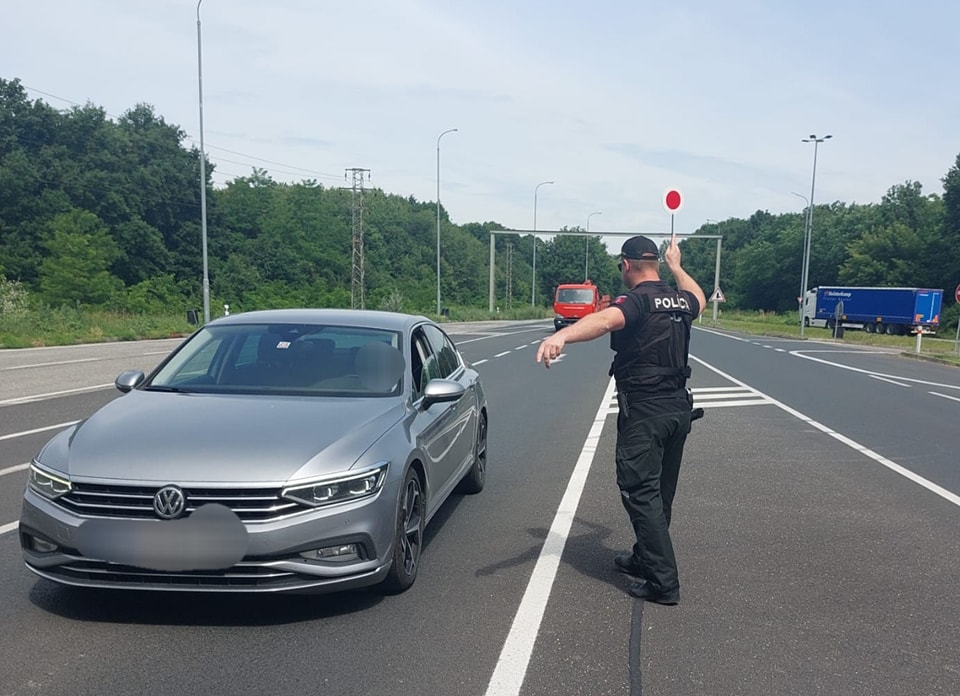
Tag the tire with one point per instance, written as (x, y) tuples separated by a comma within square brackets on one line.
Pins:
[(870, 328), (891, 329), (806, 321), (473, 482), (408, 542)]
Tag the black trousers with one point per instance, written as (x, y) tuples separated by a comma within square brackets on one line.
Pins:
[(650, 437)]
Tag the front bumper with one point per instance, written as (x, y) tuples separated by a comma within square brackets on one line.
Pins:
[(560, 322), (272, 562)]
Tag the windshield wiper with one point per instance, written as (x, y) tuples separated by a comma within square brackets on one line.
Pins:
[(166, 388)]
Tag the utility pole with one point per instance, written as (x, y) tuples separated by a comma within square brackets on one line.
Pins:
[(203, 180), (357, 294), (509, 275)]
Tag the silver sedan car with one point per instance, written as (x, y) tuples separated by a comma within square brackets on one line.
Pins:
[(273, 451)]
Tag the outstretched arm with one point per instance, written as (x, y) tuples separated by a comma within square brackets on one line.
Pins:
[(590, 327)]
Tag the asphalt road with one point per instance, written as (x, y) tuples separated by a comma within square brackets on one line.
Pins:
[(816, 529)]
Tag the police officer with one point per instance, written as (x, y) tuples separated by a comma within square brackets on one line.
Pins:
[(649, 329)]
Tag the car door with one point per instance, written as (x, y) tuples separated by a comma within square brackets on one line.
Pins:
[(435, 427), (461, 428)]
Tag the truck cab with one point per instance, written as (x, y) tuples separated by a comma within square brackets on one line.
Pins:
[(574, 301)]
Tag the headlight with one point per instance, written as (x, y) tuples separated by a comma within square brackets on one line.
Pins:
[(47, 484), (341, 489)]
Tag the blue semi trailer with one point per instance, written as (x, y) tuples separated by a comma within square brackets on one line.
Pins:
[(895, 311)]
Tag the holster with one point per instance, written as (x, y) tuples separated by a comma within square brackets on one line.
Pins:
[(695, 413)]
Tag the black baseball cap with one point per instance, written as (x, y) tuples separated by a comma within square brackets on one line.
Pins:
[(640, 248)]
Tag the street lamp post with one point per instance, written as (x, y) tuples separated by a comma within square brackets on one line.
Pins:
[(803, 262), (586, 248), (813, 182), (203, 179), (452, 130), (533, 284)]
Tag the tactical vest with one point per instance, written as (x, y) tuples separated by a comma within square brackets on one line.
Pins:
[(651, 354)]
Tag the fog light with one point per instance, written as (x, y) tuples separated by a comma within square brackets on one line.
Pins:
[(341, 553), (42, 546)]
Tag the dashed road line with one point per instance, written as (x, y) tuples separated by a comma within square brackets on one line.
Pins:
[(50, 395), (889, 381), (11, 436), (13, 469), (9, 527)]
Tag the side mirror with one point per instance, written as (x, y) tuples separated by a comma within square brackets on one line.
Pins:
[(128, 380), (440, 391)]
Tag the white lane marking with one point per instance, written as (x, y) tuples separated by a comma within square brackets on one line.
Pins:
[(500, 355), (521, 347), (759, 401), (38, 430), (952, 398), (49, 364), (889, 381), (707, 390), (800, 354), (104, 343), (515, 656), (780, 350), (479, 362), (872, 351), (495, 335), (699, 396), (864, 351), (50, 395), (539, 340), (866, 451), (12, 469), (715, 397), (8, 527), (720, 333)]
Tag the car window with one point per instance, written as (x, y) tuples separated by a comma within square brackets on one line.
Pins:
[(575, 296), (431, 362), (423, 362), (449, 359)]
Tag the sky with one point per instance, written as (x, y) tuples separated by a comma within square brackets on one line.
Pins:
[(613, 101)]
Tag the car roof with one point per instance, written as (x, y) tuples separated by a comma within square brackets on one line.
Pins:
[(368, 318)]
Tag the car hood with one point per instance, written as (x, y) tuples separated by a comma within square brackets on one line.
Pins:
[(161, 438)]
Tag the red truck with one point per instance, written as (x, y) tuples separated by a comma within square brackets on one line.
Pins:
[(574, 301)]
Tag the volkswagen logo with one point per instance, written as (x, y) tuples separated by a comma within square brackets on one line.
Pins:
[(169, 503)]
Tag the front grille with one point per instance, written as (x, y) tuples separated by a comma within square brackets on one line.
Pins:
[(249, 504), (242, 575)]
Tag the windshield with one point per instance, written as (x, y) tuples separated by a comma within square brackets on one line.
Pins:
[(286, 359), (575, 296)]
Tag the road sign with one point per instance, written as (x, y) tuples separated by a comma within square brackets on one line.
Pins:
[(956, 293), (717, 296), (672, 200)]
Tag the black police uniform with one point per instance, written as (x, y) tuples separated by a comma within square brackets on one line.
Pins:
[(650, 368)]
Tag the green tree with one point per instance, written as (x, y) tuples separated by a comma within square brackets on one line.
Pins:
[(80, 252)]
